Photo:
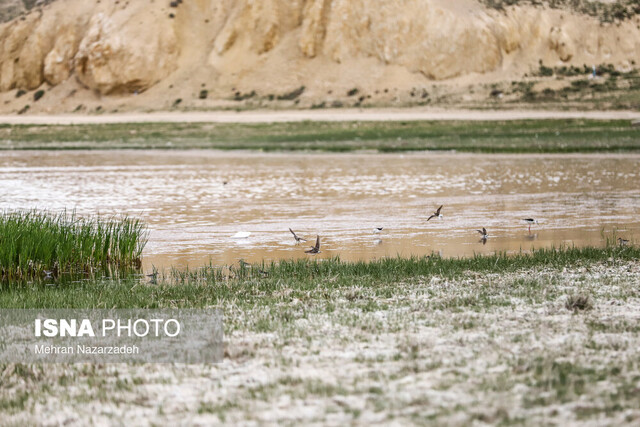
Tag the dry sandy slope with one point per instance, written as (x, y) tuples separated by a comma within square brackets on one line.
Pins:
[(315, 115), (87, 54)]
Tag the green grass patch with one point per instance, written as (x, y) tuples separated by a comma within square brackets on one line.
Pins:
[(518, 136), (304, 281), (36, 244)]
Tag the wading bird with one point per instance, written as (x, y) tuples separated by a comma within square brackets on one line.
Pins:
[(295, 236), (153, 277), (246, 266), (436, 214), (530, 221), (314, 249), (623, 242)]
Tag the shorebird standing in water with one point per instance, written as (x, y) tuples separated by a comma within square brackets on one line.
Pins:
[(153, 277), (314, 249), (484, 235), (295, 236), (436, 214), (623, 242), (530, 221)]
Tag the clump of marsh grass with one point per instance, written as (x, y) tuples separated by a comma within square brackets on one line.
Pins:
[(36, 243), (578, 302)]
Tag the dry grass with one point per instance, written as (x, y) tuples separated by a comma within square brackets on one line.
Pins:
[(497, 348)]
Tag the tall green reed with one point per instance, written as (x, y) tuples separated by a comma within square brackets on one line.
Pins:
[(33, 243)]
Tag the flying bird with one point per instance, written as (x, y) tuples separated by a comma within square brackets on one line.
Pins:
[(295, 236), (530, 221), (483, 233), (314, 249), (436, 214), (378, 230)]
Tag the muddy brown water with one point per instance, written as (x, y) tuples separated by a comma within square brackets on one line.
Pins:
[(193, 215)]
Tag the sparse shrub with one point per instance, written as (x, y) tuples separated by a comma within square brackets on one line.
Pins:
[(203, 94), (39, 94), (20, 92), (24, 109), (579, 84), (578, 302), (290, 96), (353, 92), (173, 4), (177, 102), (545, 71), (609, 11), (241, 97)]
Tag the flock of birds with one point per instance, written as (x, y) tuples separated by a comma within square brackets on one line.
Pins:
[(484, 235)]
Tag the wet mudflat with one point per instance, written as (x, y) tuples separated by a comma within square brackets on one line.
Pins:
[(195, 202)]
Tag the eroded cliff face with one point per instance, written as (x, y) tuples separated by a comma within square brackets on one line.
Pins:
[(129, 47), (109, 48)]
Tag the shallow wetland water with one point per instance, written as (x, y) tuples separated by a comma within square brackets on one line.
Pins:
[(193, 215)]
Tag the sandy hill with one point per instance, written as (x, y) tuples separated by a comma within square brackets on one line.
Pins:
[(160, 54)]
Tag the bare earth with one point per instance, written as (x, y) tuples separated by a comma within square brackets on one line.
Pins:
[(329, 115)]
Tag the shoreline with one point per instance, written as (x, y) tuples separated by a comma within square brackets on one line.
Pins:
[(326, 115)]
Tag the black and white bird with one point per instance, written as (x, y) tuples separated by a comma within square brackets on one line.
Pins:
[(314, 249), (378, 230), (530, 221), (483, 233), (436, 214), (295, 236), (623, 242)]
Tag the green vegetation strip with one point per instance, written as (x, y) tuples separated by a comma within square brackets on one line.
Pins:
[(310, 281), (519, 136), (35, 244)]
